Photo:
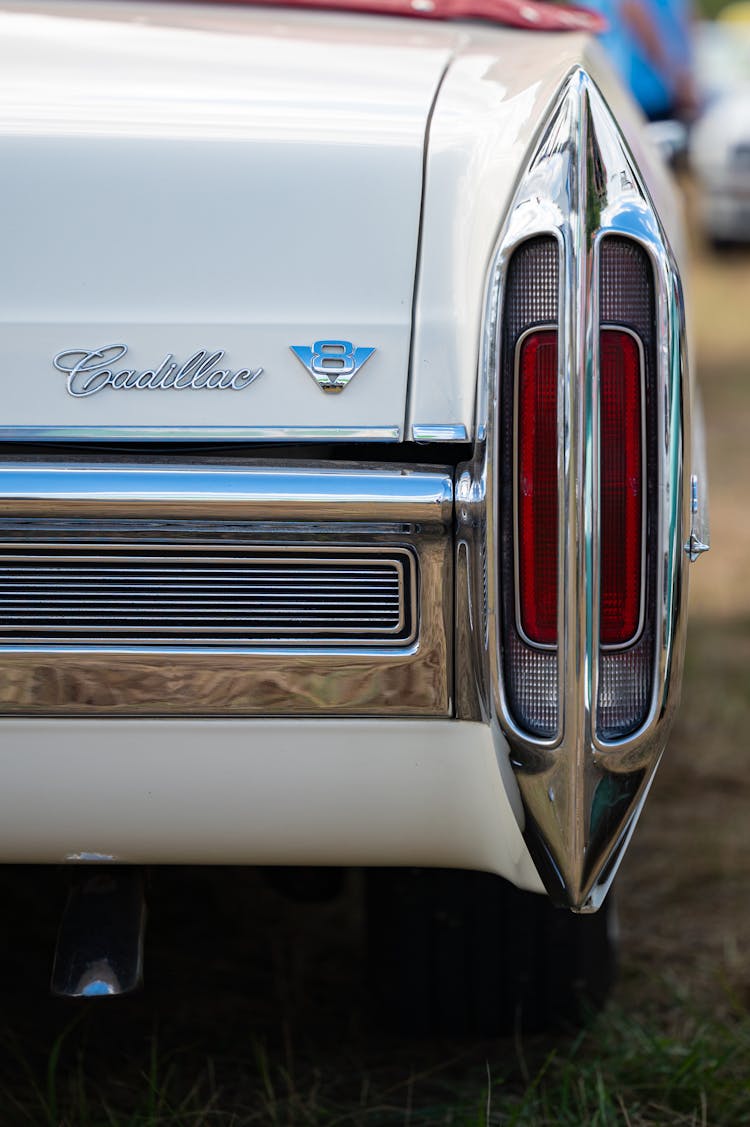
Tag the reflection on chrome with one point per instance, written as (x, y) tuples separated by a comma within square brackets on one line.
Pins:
[(440, 432), (187, 433), (91, 858), (98, 981), (223, 490)]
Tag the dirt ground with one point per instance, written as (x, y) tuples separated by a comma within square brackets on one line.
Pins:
[(685, 885)]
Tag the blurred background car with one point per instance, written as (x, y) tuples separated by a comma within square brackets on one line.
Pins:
[(650, 45), (720, 138)]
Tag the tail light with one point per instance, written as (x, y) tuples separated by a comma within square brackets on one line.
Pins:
[(529, 485), (628, 487), (574, 510), (625, 492)]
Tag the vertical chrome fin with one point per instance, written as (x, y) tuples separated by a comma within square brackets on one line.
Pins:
[(581, 786)]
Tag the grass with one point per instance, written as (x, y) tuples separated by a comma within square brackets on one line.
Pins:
[(621, 1070)]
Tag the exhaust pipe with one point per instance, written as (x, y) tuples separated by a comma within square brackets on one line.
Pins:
[(99, 948)]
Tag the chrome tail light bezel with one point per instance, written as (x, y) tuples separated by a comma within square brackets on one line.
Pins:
[(580, 794)]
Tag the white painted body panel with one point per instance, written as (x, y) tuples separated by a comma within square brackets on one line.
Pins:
[(272, 792), (248, 189)]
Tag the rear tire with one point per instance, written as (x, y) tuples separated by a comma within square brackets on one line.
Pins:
[(464, 953)]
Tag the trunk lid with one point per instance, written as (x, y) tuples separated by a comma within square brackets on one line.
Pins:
[(197, 192)]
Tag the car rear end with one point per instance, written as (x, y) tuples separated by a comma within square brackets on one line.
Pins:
[(346, 486)]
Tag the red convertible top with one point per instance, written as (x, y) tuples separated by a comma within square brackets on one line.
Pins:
[(529, 14)]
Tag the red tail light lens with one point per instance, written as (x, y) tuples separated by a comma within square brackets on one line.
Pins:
[(621, 486), (537, 486)]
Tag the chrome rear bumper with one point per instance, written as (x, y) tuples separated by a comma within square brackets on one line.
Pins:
[(169, 589)]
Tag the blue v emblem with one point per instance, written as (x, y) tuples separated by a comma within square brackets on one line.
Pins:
[(332, 363)]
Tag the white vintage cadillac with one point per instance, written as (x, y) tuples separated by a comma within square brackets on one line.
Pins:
[(346, 482)]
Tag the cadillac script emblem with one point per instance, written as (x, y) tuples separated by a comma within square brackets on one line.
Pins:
[(332, 363), (90, 371)]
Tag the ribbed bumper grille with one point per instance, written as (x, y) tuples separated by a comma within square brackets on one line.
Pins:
[(204, 595)]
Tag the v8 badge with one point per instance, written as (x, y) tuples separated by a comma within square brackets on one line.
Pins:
[(332, 363)]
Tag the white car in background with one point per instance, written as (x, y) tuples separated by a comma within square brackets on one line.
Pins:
[(347, 482), (720, 138)]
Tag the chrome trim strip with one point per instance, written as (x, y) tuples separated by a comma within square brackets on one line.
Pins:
[(439, 432), (581, 795), (201, 434), (225, 491)]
